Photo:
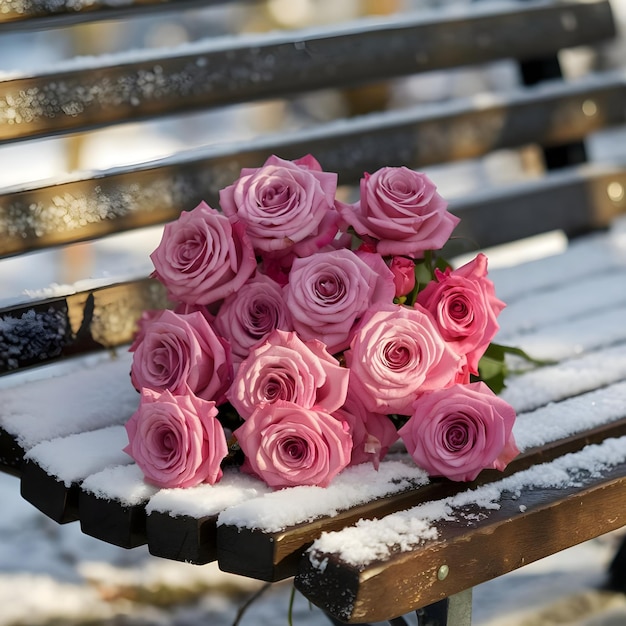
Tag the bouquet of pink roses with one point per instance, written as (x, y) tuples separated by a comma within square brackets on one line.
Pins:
[(308, 335)]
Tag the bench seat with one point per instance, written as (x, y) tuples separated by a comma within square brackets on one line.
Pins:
[(563, 407)]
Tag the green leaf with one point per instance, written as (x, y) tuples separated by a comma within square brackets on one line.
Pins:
[(492, 369)]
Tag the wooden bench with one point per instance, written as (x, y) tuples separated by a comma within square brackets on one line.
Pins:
[(65, 390)]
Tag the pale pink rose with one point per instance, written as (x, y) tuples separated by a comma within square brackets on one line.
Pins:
[(287, 445), (203, 256), (372, 433), (401, 210), (176, 440), (329, 291), (459, 431), (286, 368), (465, 308), (397, 354), (403, 271), (180, 352), (249, 316), (284, 205)]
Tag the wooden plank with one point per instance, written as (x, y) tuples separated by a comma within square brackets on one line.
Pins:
[(85, 206), (48, 494), (182, 538), (11, 454), (275, 65), (111, 521), (19, 15), (572, 200), (39, 332), (524, 529), (276, 555)]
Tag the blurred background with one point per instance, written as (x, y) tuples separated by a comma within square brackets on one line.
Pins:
[(54, 575)]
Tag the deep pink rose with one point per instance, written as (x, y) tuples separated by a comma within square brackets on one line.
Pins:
[(286, 368), (285, 205), (203, 256), (372, 433), (249, 316), (329, 291), (396, 354), (465, 307), (176, 440), (287, 445), (459, 431), (403, 271), (401, 210), (180, 352)]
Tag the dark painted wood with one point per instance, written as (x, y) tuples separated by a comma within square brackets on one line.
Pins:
[(182, 538), (110, 521), (11, 454), (275, 65), (475, 551), (49, 494)]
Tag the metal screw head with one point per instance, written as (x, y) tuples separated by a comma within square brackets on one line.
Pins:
[(442, 572)]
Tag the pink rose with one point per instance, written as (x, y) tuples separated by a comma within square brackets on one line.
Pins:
[(329, 291), (250, 315), (396, 354), (284, 205), (403, 271), (180, 352), (203, 256), (286, 368), (459, 431), (147, 317), (372, 433), (402, 211), (288, 445), (465, 307), (176, 440)]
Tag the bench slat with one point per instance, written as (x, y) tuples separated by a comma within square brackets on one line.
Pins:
[(19, 15), (40, 332), (271, 66), (527, 526), (558, 201), (80, 208)]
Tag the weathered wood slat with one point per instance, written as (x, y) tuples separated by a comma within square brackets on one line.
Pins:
[(40, 332), (87, 206), (468, 551), (30, 14), (120, 517), (558, 201), (271, 66)]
